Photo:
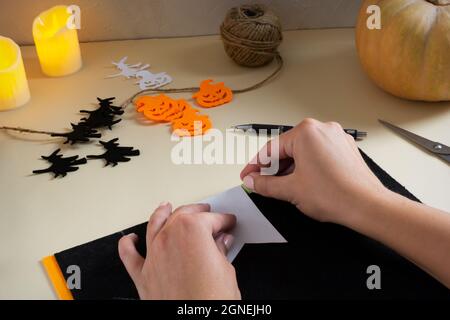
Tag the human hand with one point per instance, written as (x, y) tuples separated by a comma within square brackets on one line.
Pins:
[(321, 172), (186, 255)]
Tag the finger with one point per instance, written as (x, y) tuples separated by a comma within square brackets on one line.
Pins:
[(193, 208), (282, 144), (218, 222), (286, 166), (224, 242), (278, 187), (288, 170), (131, 259), (157, 221)]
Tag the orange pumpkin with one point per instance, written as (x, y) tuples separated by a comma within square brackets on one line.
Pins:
[(191, 125), (213, 95)]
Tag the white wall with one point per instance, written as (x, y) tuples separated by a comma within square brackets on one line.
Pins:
[(132, 19)]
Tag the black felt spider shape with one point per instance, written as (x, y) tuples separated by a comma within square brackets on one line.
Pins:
[(114, 153), (104, 116), (80, 133), (60, 166)]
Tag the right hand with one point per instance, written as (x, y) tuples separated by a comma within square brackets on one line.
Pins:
[(321, 172)]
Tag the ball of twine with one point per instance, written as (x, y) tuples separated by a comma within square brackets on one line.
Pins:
[(251, 35)]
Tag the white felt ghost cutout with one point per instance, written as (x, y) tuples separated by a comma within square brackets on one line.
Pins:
[(150, 80), (127, 70)]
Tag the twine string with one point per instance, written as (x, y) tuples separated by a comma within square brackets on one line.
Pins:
[(131, 99), (251, 35), (279, 61), (24, 130)]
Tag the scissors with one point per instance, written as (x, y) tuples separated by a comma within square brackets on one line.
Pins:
[(438, 149)]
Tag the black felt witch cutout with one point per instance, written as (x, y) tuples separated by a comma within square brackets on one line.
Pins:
[(105, 116), (80, 133), (60, 166), (114, 153)]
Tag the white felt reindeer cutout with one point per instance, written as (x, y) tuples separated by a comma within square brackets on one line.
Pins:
[(150, 80), (127, 70)]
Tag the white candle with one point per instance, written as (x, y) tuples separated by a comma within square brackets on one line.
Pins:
[(57, 45), (14, 91)]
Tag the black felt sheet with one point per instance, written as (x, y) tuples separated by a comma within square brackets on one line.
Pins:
[(320, 261)]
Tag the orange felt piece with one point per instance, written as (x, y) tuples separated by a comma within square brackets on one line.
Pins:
[(213, 95), (56, 277), (191, 125), (186, 121), (142, 101), (153, 104), (162, 108), (155, 107), (183, 108)]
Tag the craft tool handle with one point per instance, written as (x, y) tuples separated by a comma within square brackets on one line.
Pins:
[(356, 134), (269, 127)]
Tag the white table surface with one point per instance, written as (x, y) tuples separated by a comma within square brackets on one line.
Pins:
[(322, 78)]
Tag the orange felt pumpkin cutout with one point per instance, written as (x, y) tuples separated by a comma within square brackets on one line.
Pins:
[(213, 95), (183, 108), (156, 108), (143, 101), (186, 121), (191, 125)]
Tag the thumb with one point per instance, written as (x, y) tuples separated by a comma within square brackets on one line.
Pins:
[(278, 187), (131, 259)]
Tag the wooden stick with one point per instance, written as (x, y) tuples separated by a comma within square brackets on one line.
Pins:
[(23, 130)]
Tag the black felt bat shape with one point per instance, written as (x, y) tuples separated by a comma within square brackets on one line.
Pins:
[(114, 153), (104, 116), (80, 133), (60, 166)]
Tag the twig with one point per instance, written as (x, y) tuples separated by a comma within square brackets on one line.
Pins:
[(23, 130)]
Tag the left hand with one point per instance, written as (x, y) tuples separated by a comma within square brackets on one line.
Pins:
[(186, 255)]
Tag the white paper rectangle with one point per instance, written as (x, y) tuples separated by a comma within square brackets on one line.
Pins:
[(252, 226)]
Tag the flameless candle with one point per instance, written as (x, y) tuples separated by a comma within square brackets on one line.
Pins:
[(14, 91), (56, 44)]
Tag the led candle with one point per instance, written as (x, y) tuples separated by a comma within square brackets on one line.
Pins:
[(56, 44), (14, 91)]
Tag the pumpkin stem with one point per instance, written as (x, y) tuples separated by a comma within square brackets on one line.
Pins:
[(440, 2)]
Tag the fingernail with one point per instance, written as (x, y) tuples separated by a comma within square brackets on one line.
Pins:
[(220, 237), (164, 203), (132, 235), (203, 204), (228, 240), (248, 182)]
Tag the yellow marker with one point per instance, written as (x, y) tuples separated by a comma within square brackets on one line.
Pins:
[(56, 278), (57, 45), (14, 91)]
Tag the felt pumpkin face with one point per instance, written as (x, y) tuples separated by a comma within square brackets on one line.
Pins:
[(155, 108), (182, 109), (213, 95), (163, 109), (192, 125), (186, 121)]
